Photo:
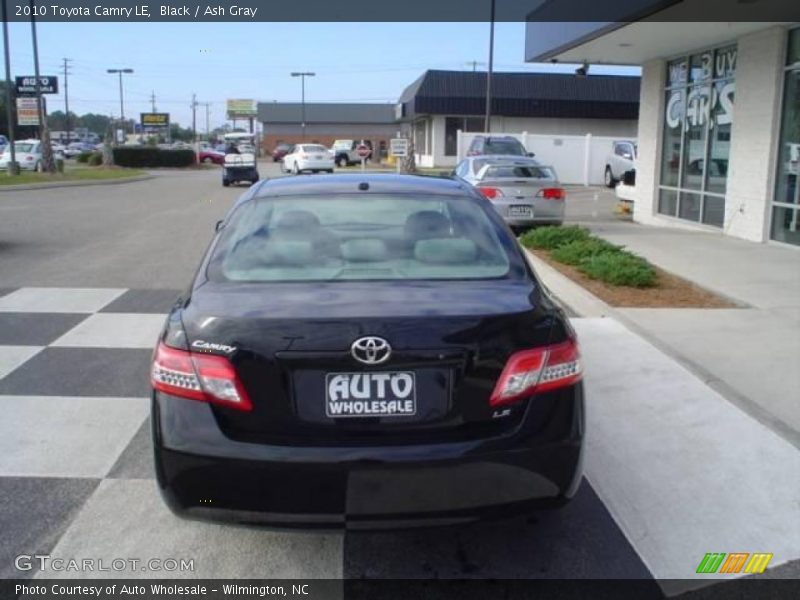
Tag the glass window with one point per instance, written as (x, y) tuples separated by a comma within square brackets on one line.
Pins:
[(697, 133), (787, 194), (366, 237), (518, 172)]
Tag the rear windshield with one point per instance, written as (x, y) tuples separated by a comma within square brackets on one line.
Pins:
[(365, 237), (313, 148), (519, 172), (504, 147), (23, 147)]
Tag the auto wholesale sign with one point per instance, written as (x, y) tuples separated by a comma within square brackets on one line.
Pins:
[(27, 112), (48, 84), (154, 120), (242, 108)]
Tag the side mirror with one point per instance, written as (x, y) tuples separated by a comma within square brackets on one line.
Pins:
[(219, 225), (531, 154)]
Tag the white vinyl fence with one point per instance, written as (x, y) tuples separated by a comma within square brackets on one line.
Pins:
[(577, 159)]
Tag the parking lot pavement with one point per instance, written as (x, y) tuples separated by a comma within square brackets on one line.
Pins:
[(671, 471)]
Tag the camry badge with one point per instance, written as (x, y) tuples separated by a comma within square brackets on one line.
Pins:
[(371, 350)]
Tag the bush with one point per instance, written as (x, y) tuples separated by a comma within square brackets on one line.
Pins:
[(575, 252), (83, 157), (619, 268), (549, 238), (60, 165), (143, 156), (96, 159)]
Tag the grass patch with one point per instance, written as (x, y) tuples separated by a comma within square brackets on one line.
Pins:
[(592, 256), (550, 238), (85, 174)]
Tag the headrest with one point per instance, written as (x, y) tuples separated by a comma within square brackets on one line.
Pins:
[(296, 220), (427, 224)]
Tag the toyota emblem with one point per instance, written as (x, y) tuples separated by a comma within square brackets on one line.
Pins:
[(371, 350)]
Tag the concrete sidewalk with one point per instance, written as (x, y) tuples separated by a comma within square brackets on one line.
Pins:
[(748, 354)]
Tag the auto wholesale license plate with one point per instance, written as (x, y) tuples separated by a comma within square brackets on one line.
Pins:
[(387, 394), (520, 211)]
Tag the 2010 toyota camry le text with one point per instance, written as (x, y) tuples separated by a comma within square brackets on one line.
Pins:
[(366, 351)]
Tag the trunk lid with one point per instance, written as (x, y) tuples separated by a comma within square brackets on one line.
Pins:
[(449, 342)]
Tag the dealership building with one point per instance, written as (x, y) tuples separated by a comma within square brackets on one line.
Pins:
[(719, 116)]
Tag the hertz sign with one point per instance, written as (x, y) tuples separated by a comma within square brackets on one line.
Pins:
[(155, 120)]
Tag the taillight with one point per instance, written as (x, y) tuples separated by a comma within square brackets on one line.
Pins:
[(203, 377), (490, 192), (537, 371), (552, 194)]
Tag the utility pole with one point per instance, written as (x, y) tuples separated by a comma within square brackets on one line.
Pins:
[(13, 168), (208, 131), (488, 120), (121, 102), (48, 164), (475, 64), (153, 100), (194, 117), (65, 71), (302, 77)]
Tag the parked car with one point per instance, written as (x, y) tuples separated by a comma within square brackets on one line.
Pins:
[(28, 155), (497, 145), (211, 156), (621, 159), (307, 157), (524, 192), (3, 143), (72, 150), (280, 151), (365, 351), (345, 151)]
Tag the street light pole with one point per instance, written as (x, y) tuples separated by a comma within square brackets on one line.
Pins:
[(488, 120), (121, 103), (12, 166), (47, 165), (302, 76)]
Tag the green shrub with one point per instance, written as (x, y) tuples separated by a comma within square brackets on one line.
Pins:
[(619, 268), (83, 157), (60, 165), (575, 252), (549, 238), (96, 159), (144, 156)]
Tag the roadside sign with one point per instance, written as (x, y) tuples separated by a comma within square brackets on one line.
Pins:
[(362, 150), (27, 111), (398, 147), (27, 84), (154, 120), (241, 108)]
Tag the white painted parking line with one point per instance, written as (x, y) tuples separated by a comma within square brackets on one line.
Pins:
[(50, 436), (128, 519), (13, 356), (682, 470), (114, 330), (59, 300)]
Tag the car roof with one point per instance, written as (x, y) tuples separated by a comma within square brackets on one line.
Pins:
[(497, 158), (379, 183)]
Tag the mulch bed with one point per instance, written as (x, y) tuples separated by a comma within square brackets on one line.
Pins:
[(670, 291)]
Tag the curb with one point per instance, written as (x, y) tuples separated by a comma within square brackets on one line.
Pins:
[(59, 184), (583, 304)]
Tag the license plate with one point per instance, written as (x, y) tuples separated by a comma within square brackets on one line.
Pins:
[(521, 211), (317, 157), (373, 394)]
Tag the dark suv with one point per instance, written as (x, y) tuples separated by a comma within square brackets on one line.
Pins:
[(500, 144)]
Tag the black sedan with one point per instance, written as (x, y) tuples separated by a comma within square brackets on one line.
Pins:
[(365, 351)]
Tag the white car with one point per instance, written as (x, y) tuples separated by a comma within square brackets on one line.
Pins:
[(307, 157), (28, 155)]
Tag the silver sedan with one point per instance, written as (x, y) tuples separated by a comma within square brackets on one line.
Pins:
[(523, 191)]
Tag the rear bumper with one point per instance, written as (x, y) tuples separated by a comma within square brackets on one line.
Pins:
[(204, 475)]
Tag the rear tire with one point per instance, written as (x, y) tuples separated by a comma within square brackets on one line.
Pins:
[(329, 170), (225, 183), (342, 161), (295, 169), (608, 179)]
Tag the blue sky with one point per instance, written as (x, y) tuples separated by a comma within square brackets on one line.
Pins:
[(354, 62)]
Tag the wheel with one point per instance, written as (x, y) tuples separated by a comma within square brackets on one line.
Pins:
[(225, 183), (342, 161), (207, 160), (608, 179), (295, 169), (38, 166), (329, 170)]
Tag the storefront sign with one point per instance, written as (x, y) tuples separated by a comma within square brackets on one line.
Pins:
[(27, 112), (155, 120), (241, 109)]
